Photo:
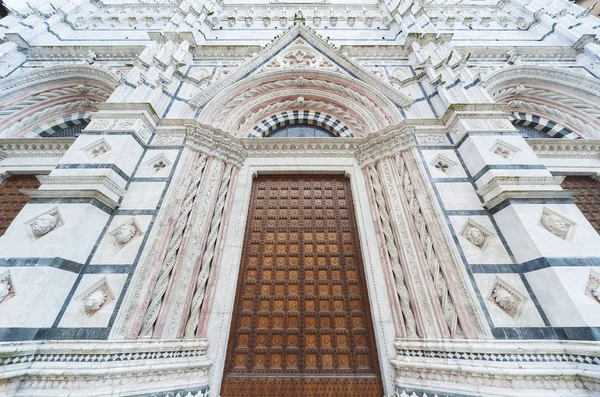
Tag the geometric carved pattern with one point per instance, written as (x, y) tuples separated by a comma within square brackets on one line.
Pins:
[(301, 323), (12, 200), (587, 197)]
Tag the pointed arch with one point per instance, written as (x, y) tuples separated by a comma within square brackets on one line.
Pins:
[(559, 102)]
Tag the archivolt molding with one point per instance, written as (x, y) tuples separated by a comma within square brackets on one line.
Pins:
[(355, 104), (276, 107), (571, 101), (25, 124), (70, 73)]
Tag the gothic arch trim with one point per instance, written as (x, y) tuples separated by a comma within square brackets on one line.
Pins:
[(551, 128), (300, 31), (41, 99), (249, 101), (323, 120), (559, 96)]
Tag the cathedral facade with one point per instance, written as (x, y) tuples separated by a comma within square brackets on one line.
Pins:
[(320, 198)]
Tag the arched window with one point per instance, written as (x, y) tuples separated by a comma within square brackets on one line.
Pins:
[(300, 131)]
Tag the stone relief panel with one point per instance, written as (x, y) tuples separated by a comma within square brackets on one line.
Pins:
[(443, 164), (123, 234), (96, 297), (300, 55), (7, 287), (476, 234), (504, 150), (44, 223), (507, 298), (158, 163), (557, 224), (592, 288), (97, 149)]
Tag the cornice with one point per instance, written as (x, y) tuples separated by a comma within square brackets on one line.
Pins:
[(84, 368), (68, 193), (215, 142), (34, 147), (82, 52), (565, 148), (118, 110), (384, 143), (300, 147), (496, 53), (534, 368), (503, 181)]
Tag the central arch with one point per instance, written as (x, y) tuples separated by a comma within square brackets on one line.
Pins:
[(256, 104)]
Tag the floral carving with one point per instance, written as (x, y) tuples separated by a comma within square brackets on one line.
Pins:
[(507, 298), (504, 150), (125, 233), (96, 297), (475, 234), (557, 224), (97, 149), (45, 223), (443, 163), (159, 162), (299, 58)]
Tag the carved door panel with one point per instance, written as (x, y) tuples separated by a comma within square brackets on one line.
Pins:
[(301, 323), (12, 200)]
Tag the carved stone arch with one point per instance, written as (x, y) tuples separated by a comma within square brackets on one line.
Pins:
[(245, 104), (51, 99), (564, 98), (318, 119)]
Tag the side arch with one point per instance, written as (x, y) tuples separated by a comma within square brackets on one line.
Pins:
[(267, 96), (44, 102), (569, 102)]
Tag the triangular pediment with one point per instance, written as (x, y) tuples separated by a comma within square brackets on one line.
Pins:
[(300, 47)]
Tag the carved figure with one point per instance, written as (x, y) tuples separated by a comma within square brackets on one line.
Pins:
[(4, 288), (94, 301), (555, 225), (505, 300), (125, 233), (475, 236), (44, 224)]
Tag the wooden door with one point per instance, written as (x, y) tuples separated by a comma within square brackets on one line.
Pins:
[(301, 323), (12, 200)]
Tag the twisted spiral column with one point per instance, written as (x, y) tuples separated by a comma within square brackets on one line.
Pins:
[(433, 263), (409, 318), (164, 276), (192, 322)]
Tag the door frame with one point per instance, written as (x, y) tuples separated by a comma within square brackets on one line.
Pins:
[(228, 268)]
